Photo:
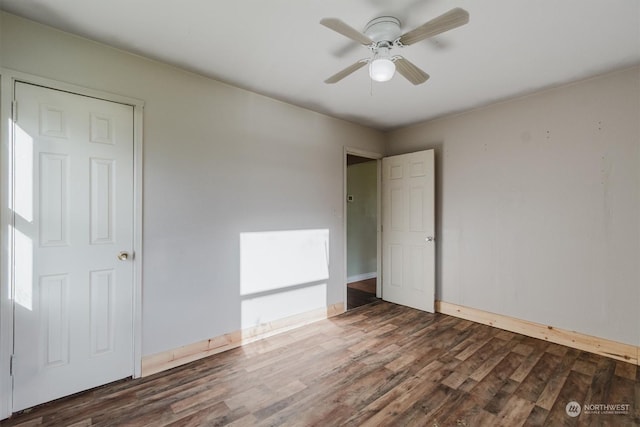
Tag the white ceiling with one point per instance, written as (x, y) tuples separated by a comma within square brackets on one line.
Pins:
[(278, 48)]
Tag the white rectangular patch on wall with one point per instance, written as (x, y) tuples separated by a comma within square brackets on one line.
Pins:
[(273, 260)]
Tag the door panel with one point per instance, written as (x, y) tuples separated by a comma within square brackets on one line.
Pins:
[(408, 195), (102, 213), (73, 183), (54, 312), (102, 284)]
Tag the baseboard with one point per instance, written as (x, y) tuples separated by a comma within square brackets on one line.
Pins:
[(170, 359), (619, 351), (363, 276)]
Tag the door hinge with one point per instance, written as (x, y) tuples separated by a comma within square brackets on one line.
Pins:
[(14, 111), (11, 365)]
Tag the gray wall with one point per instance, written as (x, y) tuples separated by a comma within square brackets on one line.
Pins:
[(218, 162), (538, 210), (362, 218)]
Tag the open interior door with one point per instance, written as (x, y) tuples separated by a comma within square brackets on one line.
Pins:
[(408, 226)]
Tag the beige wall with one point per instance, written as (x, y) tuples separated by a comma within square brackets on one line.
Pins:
[(538, 206), (218, 161)]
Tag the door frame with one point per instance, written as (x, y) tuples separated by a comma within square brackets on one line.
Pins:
[(8, 78), (378, 158)]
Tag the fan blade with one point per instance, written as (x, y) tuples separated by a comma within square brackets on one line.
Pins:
[(344, 73), (447, 21), (340, 27), (410, 72)]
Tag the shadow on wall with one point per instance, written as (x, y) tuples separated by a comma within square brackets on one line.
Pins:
[(282, 273)]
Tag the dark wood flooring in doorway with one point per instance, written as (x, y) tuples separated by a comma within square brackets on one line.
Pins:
[(361, 293), (380, 364)]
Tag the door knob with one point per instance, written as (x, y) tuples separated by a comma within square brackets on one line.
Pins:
[(430, 239), (123, 256)]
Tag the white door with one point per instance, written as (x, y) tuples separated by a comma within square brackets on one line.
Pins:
[(73, 203), (408, 247)]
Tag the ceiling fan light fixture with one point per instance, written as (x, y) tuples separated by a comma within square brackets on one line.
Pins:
[(382, 34), (381, 67)]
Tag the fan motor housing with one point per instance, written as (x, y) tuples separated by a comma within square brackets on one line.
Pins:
[(383, 29)]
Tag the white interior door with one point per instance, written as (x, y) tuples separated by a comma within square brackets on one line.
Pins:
[(408, 226), (73, 203)]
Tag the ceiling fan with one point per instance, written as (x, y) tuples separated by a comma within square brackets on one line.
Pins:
[(383, 34)]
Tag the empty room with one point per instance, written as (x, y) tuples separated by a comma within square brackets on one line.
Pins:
[(320, 213)]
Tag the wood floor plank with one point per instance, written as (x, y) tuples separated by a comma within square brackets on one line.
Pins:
[(401, 362), (389, 405), (525, 368), (533, 385), (430, 407), (625, 370), (490, 364), (516, 411), (31, 423), (574, 389), (601, 381), (551, 390), (246, 421), (196, 415), (495, 389), (482, 418), (379, 364), (537, 417), (584, 367), (457, 399), (473, 348)]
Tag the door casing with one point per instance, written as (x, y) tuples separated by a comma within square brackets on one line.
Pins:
[(8, 78)]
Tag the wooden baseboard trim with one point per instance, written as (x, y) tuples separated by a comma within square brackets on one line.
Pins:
[(172, 358), (619, 351)]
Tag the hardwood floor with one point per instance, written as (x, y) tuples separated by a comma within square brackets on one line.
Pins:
[(361, 293), (380, 364)]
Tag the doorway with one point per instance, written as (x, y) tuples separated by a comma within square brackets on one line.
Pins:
[(405, 267), (362, 226)]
